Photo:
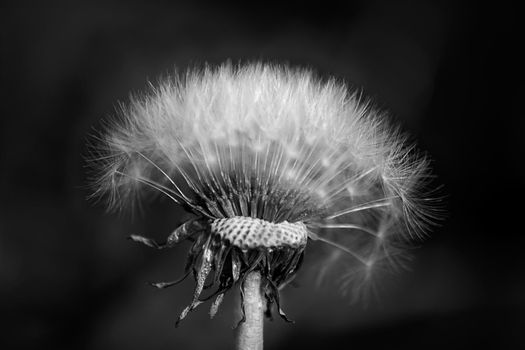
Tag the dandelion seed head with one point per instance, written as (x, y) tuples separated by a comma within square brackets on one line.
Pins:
[(266, 157)]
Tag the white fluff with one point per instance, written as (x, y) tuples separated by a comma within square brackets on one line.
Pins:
[(275, 143)]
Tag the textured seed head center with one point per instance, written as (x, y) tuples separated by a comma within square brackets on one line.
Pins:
[(249, 233)]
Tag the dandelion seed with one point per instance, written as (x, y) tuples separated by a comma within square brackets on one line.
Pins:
[(267, 159)]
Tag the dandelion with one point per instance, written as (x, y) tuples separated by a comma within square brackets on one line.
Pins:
[(266, 159)]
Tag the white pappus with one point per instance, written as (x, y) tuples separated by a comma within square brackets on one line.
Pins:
[(267, 158)]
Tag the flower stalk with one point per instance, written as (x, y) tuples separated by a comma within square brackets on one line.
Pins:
[(250, 332)]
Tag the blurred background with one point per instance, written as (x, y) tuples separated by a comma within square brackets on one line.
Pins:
[(447, 70)]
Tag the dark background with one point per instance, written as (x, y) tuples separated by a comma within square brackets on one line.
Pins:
[(447, 70)]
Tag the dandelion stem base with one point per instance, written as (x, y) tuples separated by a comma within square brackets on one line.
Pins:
[(250, 332)]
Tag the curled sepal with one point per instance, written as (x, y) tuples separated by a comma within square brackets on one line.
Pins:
[(215, 305), (162, 285), (186, 311), (272, 294), (184, 231), (202, 273), (236, 266), (243, 311), (220, 260), (147, 241)]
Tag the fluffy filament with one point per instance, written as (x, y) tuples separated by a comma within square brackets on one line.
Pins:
[(274, 144)]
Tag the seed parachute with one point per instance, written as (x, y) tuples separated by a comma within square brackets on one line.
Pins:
[(266, 159)]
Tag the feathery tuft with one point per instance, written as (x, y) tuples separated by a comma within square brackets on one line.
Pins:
[(276, 144)]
